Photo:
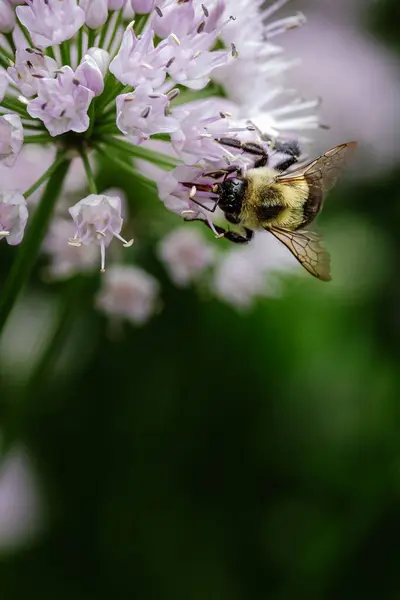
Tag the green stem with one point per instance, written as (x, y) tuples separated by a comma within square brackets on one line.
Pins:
[(104, 30), (65, 52), (38, 139), (50, 52), (71, 302), (117, 23), (27, 35), (29, 249), (140, 22), (89, 172), (91, 37), (126, 166), (10, 40), (162, 160), (14, 105), (46, 175), (80, 45), (6, 53)]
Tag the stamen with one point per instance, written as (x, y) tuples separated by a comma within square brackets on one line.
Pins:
[(175, 38), (101, 233), (23, 99), (5, 233), (147, 66), (125, 243), (205, 10), (145, 113), (187, 212), (103, 257), (201, 27), (235, 53), (74, 242), (169, 63), (172, 94), (158, 11), (193, 192), (225, 115)]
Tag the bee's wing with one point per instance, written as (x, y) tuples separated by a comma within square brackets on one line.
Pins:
[(308, 248), (324, 171)]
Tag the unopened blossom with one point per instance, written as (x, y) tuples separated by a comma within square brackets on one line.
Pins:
[(98, 220), (7, 17), (13, 217), (96, 12), (186, 255), (101, 58), (142, 113), (116, 4), (138, 61), (11, 138), (30, 66), (62, 103), (143, 7), (51, 21), (89, 75), (128, 293), (67, 260), (4, 82), (32, 162)]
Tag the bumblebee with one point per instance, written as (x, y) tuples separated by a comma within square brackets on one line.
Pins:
[(282, 200)]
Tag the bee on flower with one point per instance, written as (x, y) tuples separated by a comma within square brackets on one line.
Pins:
[(153, 86)]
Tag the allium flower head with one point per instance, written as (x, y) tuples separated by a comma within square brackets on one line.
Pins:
[(80, 83)]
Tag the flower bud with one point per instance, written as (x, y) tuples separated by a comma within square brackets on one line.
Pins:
[(7, 17), (101, 58), (143, 7), (116, 4), (96, 12), (11, 139)]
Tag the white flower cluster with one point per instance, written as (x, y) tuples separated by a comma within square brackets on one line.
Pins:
[(79, 77)]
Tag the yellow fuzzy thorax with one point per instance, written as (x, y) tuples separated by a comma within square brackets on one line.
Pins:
[(263, 189)]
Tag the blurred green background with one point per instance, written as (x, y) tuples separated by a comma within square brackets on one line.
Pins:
[(213, 454)]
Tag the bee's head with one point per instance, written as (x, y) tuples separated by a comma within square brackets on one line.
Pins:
[(231, 193)]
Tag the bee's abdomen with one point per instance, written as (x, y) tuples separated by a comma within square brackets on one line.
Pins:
[(313, 204)]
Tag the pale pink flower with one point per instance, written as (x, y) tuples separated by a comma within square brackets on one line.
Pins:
[(138, 61), (30, 66), (11, 138), (98, 220), (142, 113), (128, 293), (186, 255), (62, 103), (51, 21), (13, 217)]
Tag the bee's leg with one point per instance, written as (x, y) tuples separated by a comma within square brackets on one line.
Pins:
[(232, 236), (237, 238), (249, 147), (222, 172)]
